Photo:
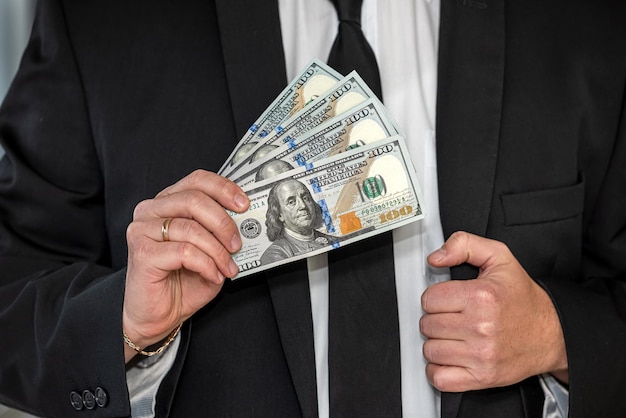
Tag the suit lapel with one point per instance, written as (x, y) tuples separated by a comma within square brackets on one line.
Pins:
[(253, 56), (469, 102), (469, 105), (255, 70)]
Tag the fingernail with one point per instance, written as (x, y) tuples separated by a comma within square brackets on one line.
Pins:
[(234, 269), (438, 255), (235, 243), (241, 201)]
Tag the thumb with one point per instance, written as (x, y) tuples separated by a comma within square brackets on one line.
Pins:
[(463, 247)]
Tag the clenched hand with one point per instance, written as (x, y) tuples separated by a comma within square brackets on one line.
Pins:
[(495, 330)]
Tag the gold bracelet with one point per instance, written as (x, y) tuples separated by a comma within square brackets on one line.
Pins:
[(159, 350)]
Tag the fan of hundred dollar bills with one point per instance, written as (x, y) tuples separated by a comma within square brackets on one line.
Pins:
[(324, 166)]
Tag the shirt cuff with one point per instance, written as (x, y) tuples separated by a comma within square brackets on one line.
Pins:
[(144, 378), (556, 404)]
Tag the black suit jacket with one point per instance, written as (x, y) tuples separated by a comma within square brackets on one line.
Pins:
[(116, 100)]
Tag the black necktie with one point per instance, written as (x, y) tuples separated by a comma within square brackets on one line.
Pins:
[(363, 331), (351, 51)]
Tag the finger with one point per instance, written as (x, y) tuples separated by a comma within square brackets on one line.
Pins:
[(450, 296), (188, 230), (463, 247), (480, 357), (219, 188), (184, 230), (446, 352), (452, 378), (193, 204), (196, 292), (161, 258), (449, 326)]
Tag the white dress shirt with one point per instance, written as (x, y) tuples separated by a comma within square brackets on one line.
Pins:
[(404, 37)]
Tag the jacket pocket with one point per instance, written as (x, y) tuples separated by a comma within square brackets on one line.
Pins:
[(541, 206)]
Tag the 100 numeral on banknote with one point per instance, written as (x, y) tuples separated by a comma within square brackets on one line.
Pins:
[(352, 196)]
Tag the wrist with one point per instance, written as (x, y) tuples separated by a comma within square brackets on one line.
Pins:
[(559, 367), (136, 339), (132, 348)]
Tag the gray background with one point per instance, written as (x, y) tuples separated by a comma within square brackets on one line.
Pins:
[(15, 24)]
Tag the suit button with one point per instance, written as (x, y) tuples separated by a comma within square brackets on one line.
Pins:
[(89, 400), (101, 397), (76, 400)]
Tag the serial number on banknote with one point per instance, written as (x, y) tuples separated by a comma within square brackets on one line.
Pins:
[(383, 206), (257, 205)]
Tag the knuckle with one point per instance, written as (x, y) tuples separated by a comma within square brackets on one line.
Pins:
[(433, 295), (489, 355), (189, 228), (132, 232), (422, 325), (427, 350), (440, 382), (225, 223), (209, 268), (224, 184), (487, 361), (485, 329), (425, 326), (197, 177), (437, 383), (425, 300), (138, 243), (141, 209), (486, 294), (223, 253), (185, 251), (140, 249), (488, 378), (211, 265), (220, 254), (501, 247), (228, 188), (459, 236), (194, 199)]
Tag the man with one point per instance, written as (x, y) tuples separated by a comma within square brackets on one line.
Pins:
[(118, 102), (293, 218)]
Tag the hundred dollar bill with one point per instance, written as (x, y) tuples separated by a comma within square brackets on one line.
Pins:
[(315, 79), (363, 124), (347, 198), (347, 93)]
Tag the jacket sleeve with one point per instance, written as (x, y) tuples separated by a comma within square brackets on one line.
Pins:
[(593, 310), (60, 299)]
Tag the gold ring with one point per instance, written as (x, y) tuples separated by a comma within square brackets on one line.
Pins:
[(165, 229)]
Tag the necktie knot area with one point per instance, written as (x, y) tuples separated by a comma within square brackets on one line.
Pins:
[(351, 51), (348, 10), (352, 22)]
